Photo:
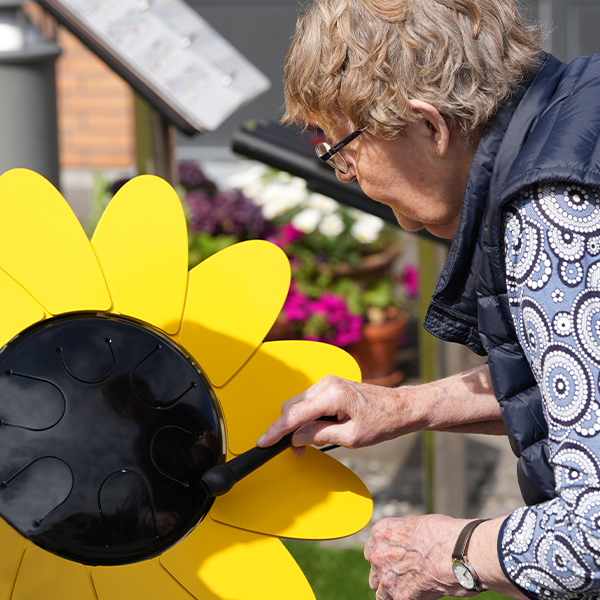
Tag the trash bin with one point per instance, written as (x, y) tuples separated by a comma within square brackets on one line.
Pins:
[(28, 113)]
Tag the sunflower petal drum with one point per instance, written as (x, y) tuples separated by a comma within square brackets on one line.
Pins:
[(123, 378)]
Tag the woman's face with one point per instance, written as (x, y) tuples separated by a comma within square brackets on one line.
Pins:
[(408, 174)]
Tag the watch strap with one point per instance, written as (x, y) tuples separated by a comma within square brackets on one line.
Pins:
[(463, 539)]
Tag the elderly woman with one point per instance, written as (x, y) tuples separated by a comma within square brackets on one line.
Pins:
[(449, 112)]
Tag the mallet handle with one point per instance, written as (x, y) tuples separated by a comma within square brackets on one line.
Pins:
[(219, 479)]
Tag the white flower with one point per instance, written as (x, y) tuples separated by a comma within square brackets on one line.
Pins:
[(277, 198), (307, 220), (284, 177), (331, 225), (249, 176), (323, 203), (273, 207), (355, 213), (299, 183), (367, 228), (255, 191), (292, 195)]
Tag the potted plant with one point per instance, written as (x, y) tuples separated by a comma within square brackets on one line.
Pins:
[(344, 291), (336, 240), (324, 317), (385, 307)]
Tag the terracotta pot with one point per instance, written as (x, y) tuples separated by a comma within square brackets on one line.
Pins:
[(376, 352)]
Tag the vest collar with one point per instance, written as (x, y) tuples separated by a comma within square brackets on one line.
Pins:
[(452, 313)]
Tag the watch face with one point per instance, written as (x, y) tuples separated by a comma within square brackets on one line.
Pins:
[(463, 575)]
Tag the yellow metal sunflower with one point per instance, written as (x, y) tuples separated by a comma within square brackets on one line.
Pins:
[(123, 378)]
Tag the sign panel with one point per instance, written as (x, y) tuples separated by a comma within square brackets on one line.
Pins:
[(169, 54)]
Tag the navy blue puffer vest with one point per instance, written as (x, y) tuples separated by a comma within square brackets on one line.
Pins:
[(548, 131)]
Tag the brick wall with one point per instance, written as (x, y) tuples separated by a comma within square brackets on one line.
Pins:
[(96, 124), (95, 110)]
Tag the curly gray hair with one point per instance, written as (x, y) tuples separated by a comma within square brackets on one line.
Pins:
[(362, 60)]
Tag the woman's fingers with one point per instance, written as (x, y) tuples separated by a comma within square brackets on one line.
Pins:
[(291, 418), (363, 415), (312, 404), (410, 557)]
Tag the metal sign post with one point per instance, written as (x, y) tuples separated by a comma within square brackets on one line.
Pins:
[(28, 99)]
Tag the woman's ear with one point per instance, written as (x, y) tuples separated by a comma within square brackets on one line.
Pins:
[(436, 124)]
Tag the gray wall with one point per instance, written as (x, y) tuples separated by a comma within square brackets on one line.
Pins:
[(261, 31), (576, 26)]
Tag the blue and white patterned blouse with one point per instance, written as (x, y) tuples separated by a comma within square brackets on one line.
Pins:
[(552, 250)]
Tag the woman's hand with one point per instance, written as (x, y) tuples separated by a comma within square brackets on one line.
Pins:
[(366, 414), (411, 557)]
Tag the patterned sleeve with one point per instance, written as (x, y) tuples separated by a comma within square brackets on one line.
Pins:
[(552, 248)]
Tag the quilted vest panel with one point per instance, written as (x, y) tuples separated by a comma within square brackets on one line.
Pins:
[(548, 131)]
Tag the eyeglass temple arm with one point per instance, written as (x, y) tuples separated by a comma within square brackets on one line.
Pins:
[(334, 149)]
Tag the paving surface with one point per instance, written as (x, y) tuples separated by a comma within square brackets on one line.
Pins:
[(393, 473)]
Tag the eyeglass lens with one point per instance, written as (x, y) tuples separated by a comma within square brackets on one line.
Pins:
[(329, 154), (336, 161)]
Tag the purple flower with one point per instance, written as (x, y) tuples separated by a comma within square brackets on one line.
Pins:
[(228, 212), (202, 217), (191, 177)]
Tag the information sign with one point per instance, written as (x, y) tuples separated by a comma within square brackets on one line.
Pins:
[(169, 54)]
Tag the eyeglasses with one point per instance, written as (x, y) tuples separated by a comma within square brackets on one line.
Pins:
[(329, 154)]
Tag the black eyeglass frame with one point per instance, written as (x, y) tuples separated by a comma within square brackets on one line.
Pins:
[(333, 150)]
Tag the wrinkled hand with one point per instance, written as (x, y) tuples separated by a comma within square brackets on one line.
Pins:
[(411, 557), (366, 414)]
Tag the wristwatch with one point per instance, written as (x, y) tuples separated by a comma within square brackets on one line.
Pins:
[(463, 571)]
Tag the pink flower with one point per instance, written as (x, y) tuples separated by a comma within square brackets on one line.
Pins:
[(287, 235), (410, 280), (325, 319), (350, 331), (331, 303), (297, 305)]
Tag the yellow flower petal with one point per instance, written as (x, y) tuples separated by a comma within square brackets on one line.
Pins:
[(12, 545), (233, 300), (220, 562), (44, 575), (312, 497), (147, 580), (141, 241), (18, 309), (252, 400), (44, 248)]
